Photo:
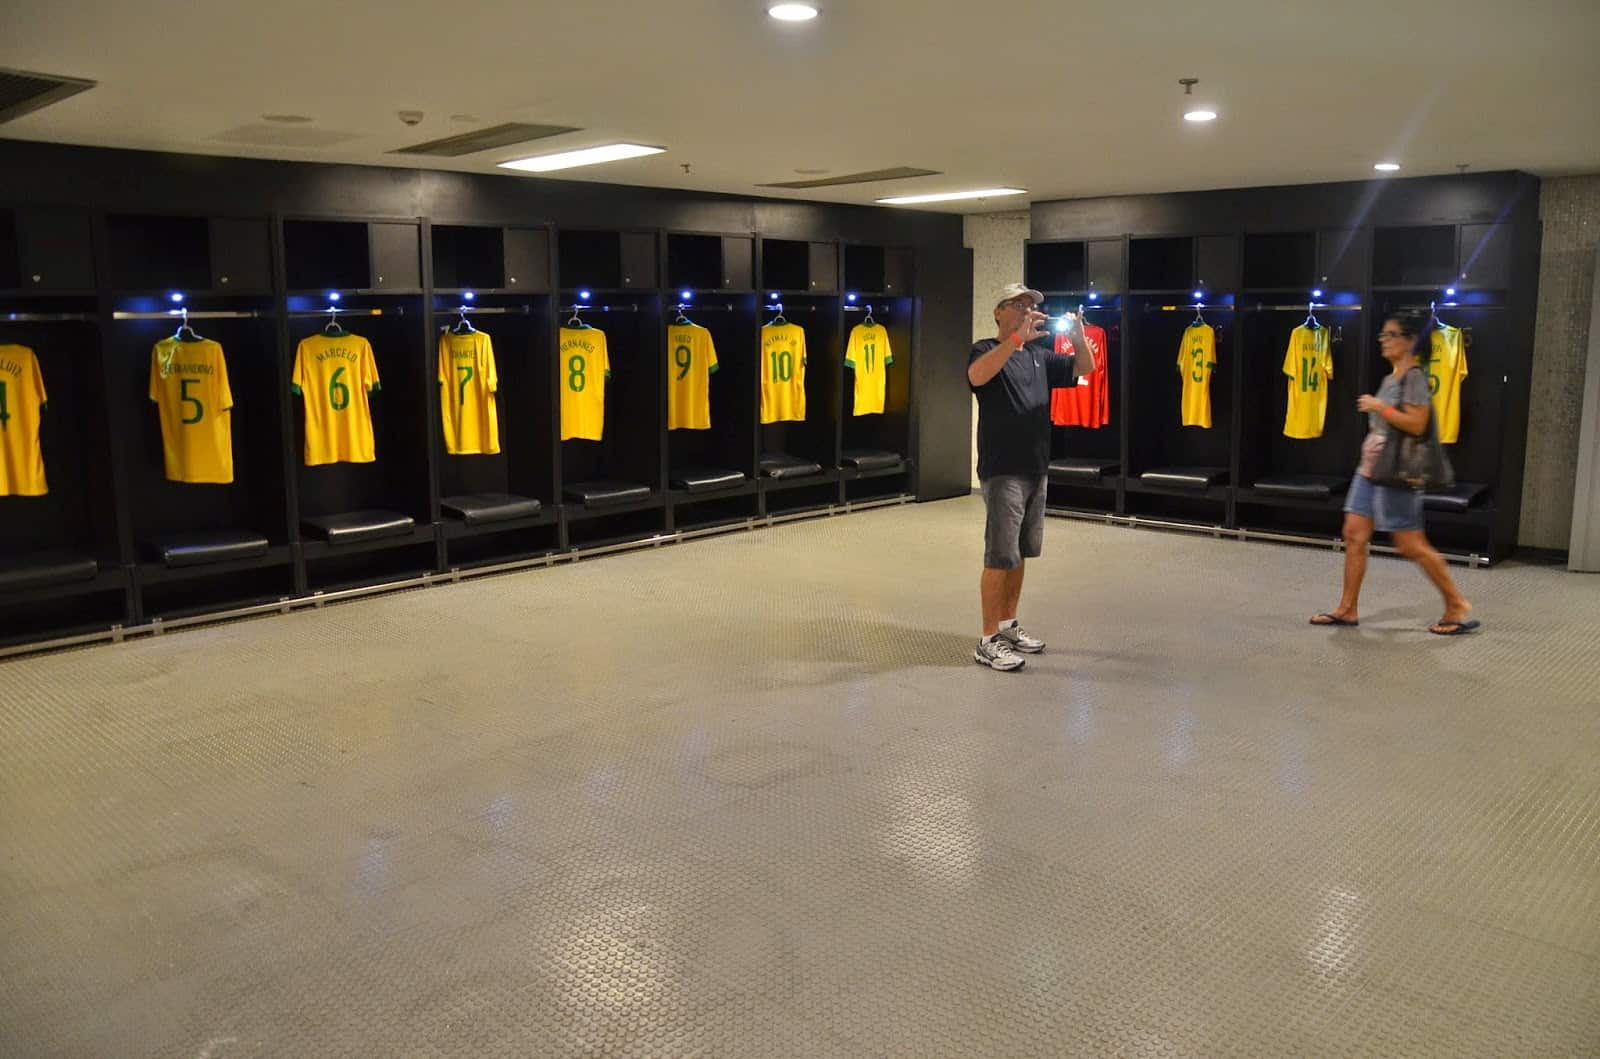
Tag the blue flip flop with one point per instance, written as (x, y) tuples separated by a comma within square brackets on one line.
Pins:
[(1454, 628), (1333, 620)]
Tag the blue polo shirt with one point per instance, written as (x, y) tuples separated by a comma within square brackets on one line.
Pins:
[(1014, 409)]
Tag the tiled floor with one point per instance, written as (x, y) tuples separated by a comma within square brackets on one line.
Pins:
[(750, 796)]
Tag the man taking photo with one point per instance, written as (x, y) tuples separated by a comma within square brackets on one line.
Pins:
[(1012, 377)]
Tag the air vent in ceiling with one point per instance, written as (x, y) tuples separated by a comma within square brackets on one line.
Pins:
[(900, 173), (23, 93), (262, 134), (484, 140)]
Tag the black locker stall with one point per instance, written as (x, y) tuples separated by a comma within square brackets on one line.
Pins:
[(711, 474), (364, 522), (614, 487), (60, 554), (875, 447), (800, 458), (1463, 250)]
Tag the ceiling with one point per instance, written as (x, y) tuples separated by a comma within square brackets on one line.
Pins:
[(1063, 99)]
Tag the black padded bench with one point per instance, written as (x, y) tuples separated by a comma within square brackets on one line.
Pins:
[(870, 459), (476, 509), (44, 570), (778, 465), (1302, 486), (355, 527), (705, 479), (605, 493), (202, 548), (1197, 478), (1081, 469), (1459, 497)]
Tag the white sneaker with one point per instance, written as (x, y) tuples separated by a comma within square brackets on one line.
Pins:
[(996, 653), (1020, 640)]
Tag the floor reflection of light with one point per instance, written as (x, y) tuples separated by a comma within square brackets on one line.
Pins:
[(499, 811), (1080, 727), (1180, 739), (602, 785), (1334, 941), (372, 873), (936, 833)]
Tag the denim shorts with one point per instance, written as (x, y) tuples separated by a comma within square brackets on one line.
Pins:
[(1015, 526), (1389, 508)]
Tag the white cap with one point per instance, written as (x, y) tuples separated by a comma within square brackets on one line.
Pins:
[(1017, 290)]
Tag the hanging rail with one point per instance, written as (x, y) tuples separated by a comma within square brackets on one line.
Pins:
[(398, 310), (1302, 307), (47, 318), (197, 314), (488, 310), (1191, 307)]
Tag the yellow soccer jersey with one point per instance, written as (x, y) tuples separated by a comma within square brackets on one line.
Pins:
[(783, 373), (468, 383), (335, 374), (1309, 364), (189, 385), (585, 367), (22, 400), (1446, 368), (1197, 360), (691, 361), (869, 355)]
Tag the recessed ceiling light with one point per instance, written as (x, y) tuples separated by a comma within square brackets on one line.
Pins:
[(951, 196), (1200, 115), (611, 152), (1386, 167), (793, 12)]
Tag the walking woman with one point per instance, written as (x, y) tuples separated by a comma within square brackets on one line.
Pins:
[(1403, 402)]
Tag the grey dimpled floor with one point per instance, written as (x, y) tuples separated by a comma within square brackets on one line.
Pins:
[(750, 796)]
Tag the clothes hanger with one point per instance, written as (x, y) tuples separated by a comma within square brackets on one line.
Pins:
[(332, 326), (869, 321), (185, 333), (1311, 316), (778, 320), (575, 320), (682, 319), (1199, 319), (463, 326)]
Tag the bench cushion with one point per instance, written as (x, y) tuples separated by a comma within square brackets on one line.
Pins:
[(353, 527), (602, 493), (778, 465), (45, 569), (1302, 486), (870, 459), (705, 479), (1186, 477), (1081, 468), (1457, 498), (202, 547), (477, 508)]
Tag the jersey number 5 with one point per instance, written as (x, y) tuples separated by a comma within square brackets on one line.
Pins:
[(183, 395)]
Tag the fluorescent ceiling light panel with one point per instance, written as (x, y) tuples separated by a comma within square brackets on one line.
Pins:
[(1200, 115), (611, 152), (951, 196), (1387, 167), (792, 12)]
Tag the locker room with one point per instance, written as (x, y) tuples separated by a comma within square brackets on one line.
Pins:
[(493, 551)]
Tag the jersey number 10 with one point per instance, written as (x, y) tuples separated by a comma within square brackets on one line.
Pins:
[(782, 365)]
